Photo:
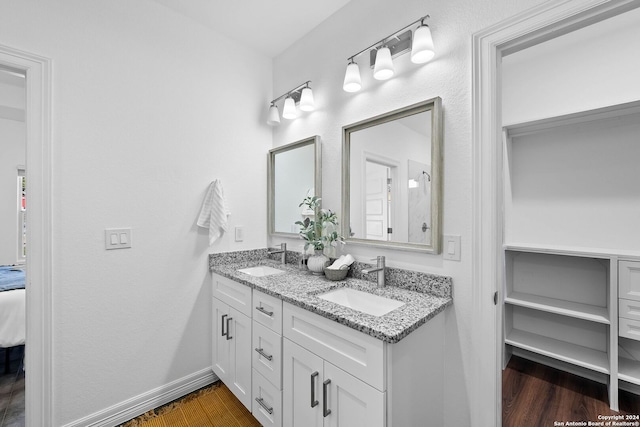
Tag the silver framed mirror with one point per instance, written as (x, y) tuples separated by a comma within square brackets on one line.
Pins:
[(392, 179), (294, 171)]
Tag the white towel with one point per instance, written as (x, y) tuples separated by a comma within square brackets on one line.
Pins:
[(343, 262), (214, 212)]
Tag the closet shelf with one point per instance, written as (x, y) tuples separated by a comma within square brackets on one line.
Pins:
[(534, 126), (571, 251), (629, 370), (580, 356), (561, 307)]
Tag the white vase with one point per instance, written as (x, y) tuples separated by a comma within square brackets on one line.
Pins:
[(317, 262)]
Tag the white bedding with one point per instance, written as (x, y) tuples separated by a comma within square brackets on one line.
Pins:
[(12, 317)]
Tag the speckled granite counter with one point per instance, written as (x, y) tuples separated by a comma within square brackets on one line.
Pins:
[(424, 295)]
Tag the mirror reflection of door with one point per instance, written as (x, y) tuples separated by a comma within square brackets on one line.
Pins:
[(378, 201)]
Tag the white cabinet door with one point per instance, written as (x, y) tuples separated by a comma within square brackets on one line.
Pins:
[(220, 353), (232, 350), (352, 402), (239, 341), (302, 387)]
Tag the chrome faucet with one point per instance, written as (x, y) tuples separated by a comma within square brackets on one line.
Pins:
[(379, 269), (282, 250)]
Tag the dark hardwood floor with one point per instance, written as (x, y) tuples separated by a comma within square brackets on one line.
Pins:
[(12, 389), (536, 395)]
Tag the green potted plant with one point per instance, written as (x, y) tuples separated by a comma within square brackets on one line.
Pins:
[(319, 231)]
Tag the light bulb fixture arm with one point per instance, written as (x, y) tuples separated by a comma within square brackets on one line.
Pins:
[(294, 93), (382, 41)]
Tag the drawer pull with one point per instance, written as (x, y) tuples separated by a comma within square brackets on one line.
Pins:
[(265, 311), (264, 405), (325, 411), (223, 333), (229, 319), (263, 354), (314, 402)]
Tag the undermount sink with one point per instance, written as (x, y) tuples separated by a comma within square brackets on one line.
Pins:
[(261, 271), (365, 302)]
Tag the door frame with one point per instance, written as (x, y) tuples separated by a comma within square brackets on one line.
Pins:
[(536, 25), (38, 351)]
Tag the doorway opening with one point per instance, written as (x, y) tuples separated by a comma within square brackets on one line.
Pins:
[(37, 118)]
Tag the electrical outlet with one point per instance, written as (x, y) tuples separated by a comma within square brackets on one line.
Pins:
[(239, 233)]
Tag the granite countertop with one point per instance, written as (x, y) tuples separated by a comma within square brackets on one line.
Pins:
[(300, 288)]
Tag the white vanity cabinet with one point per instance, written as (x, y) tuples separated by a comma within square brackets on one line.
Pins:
[(232, 336), (267, 359), (292, 367), (334, 375)]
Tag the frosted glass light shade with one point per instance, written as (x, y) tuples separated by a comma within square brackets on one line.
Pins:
[(306, 100), (422, 49), (352, 82), (274, 116), (289, 110), (383, 68)]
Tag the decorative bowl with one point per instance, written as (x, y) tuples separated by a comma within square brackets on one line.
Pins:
[(336, 274)]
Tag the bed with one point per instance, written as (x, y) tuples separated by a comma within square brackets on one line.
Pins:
[(12, 308)]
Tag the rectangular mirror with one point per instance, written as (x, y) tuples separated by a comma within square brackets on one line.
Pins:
[(293, 172), (392, 179)]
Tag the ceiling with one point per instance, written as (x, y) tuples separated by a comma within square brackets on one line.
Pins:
[(266, 26)]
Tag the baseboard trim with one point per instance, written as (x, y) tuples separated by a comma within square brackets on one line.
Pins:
[(563, 366), (144, 402)]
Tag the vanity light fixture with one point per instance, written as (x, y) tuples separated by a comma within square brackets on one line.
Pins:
[(301, 95), (419, 42), (274, 115), (352, 82)]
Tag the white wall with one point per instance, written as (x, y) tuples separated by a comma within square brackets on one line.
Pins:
[(12, 155), (576, 185), (148, 109), (322, 55), (590, 68)]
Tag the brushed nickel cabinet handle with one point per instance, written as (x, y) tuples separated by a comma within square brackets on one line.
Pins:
[(222, 332), (314, 402), (325, 411), (263, 354), (264, 405), (265, 311), (229, 319)]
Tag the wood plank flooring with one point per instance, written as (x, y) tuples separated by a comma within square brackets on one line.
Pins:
[(537, 395)]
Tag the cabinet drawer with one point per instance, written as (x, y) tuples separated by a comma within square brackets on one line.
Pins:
[(266, 402), (629, 309), (267, 310), (267, 354), (352, 351), (233, 293), (630, 329), (629, 280)]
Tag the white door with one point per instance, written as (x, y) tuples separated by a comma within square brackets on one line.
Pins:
[(220, 351), (352, 402), (238, 337), (377, 205), (302, 374)]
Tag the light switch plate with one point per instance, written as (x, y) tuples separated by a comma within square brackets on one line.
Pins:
[(117, 238), (451, 248)]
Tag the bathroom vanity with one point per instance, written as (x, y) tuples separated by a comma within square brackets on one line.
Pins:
[(295, 358)]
